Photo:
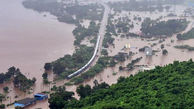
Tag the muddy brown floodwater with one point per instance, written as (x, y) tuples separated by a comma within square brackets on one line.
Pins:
[(29, 39)]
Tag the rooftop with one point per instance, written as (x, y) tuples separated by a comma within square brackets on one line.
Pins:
[(25, 101)]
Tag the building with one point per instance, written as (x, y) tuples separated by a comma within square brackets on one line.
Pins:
[(40, 96), (148, 51), (25, 102), (145, 68)]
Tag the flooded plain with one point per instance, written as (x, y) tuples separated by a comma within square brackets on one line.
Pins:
[(28, 40)]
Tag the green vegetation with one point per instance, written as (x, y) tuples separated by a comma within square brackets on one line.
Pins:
[(71, 13), (2, 106), (48, 67), (110, 31), (164, 52), (130, 66), (186, 36), (2, 97), (70, 63), (123, 25), (19, 80), (102, 63), (6, 89), (104, 52), (185, 47), (108, 40), (84, 91), (168, 87), (143, 5), (154, 28), (60, 98), (80, 32), (118, 27), (45, 78)]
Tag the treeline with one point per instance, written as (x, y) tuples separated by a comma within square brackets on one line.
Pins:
[(163, 28), (143, 5), (68, 13), (170, 86), (110, 31), (60, 98), (19, 80), (186, 36), (187, 47), (80, 32)]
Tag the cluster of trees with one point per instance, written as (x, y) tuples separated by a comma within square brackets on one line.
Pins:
[(143, 5), (143, 49), (2, 97), (188, 47), (2, 106), (61, 98), (123, 25), (65, 12), (108, 40), (170, 86), (163, 28), (104, 52), (70, 63), (80, 32), (164, 52), (186, 36), (110, 31), (90, 11), (19, 80), (130, 66)]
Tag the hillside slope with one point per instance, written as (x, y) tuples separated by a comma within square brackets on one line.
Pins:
[(171, 86)]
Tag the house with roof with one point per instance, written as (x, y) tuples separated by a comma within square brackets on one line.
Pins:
[(40, 96), (148, 51), (25, 102)]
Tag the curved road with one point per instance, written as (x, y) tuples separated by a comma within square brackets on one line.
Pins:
[(98, 46)]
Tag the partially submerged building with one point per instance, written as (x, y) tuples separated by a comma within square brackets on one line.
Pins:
[(148, 51), (25, 102), (40, 96)]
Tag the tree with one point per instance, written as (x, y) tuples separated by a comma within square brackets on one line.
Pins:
[(60, 98), (120, 68), (104, 52), (2, 97), (162, 46), (164, 52), (6, 89), (48, 66), (120, 79), (2, 78), (2, 106), (45, 75), (83, 91)]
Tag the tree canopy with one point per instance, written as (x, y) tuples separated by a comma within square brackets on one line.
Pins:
[(167, 87)]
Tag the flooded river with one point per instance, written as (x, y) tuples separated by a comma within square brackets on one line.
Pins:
[(29, 39)]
